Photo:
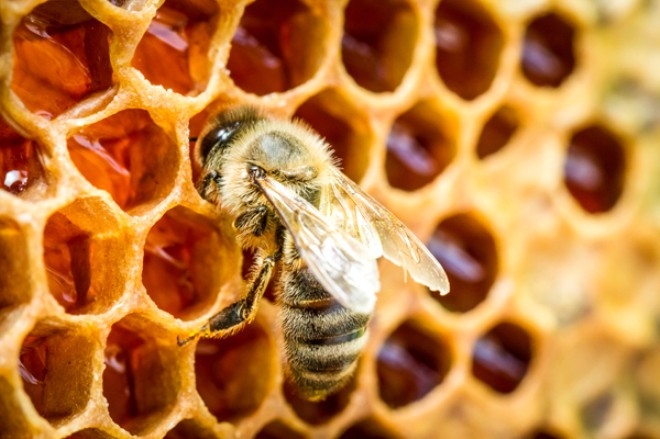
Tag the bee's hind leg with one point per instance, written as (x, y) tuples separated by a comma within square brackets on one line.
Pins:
[(238, 313)]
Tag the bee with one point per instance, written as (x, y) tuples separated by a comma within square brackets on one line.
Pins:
[(298, 212)]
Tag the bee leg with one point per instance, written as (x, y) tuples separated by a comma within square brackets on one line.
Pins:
[(253, 221), (240, 312), (209, 185)]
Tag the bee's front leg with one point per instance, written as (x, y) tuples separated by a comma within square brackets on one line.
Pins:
[(239, 313)]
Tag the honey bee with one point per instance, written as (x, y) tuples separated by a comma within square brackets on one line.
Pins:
[(295, 209)]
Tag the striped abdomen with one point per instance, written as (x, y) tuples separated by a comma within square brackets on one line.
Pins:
[(323, 340)]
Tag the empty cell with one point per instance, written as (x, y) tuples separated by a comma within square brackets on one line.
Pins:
[(279, 430), (15, 281), (411, 363), (235, 374), (140, 378), (378, 42), (173, 52), (186, 262), (594, 168), (56, 369), (548, 54), (78, 241), (468, 45), (127, 155), (347, 134), (466, 249), (501, 357), (420, 146), (277, 46), (189, 428), (369, 429), (497, 131), (61, 56), (20, 163)]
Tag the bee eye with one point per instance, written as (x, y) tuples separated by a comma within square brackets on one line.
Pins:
[(218, 138)]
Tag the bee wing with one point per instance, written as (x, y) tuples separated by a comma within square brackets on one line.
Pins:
[(396, 242), (339, 262)]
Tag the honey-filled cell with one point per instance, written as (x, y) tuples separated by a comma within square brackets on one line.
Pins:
[(420, 145), (61, 56), (127, 155), (348, 136), (412, 362), (173, 52), (467, 251), (21, 169), (502, 356), (277, 46), (186, 261), (377, 51), (55, 365), (140, 377), (468, 45)]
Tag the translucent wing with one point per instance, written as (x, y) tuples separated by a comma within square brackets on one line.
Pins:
[(393, 239), (340, 262)]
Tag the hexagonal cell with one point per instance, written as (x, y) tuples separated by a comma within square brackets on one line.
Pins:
[(79, 240), (411, 363), (319, 412), (421, 144), (127, 155), (501, 357), (189, 428), (548, 55), (369, 429), (467, 251), (56, 368), (21, 170), (235, 374), (349, 136), (173, 51), (378, 42), (497, 131), (186, 261), (140, 379), (279, 430), (61, 57), (15, 280), (468, 47), (594, 168), (277, 46)]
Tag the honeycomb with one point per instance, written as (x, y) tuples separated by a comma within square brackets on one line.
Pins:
[(517, 138)]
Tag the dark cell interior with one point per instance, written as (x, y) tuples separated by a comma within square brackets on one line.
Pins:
[(468, 47), (20, 163), (138, 379), (185, 263), (467, 251), (419, 147), (548, 54), (320, 412), (501, 357), (594, 168), (278, 430), (347, 136), (544, 434), (60, 57), (276, 46), (411, 363), (497, 131), (378, 42), (127, 155), (174, 50), (189, 428), (369, 429), (234, 374), (56, 372)]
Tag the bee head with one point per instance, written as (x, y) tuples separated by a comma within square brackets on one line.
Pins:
[(222, 130)]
